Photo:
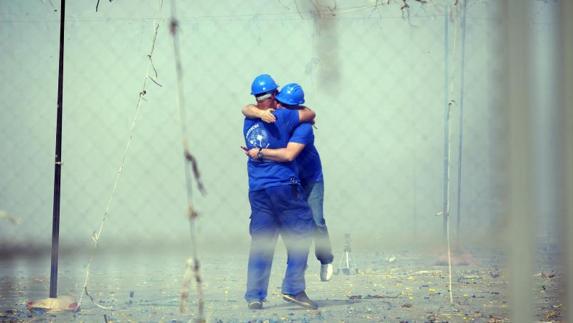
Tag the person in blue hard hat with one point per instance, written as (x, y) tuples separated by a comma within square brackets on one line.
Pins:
[(277, 201), (302, 150), (264, 88)]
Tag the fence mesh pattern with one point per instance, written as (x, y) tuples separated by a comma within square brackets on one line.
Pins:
[(379, 74)]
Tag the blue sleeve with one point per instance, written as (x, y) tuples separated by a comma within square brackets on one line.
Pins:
[(248, 128), (303, 134), (287, 118)]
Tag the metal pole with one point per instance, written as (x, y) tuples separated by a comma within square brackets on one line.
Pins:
[(58, 163), (415, 198), (446, 181), (566, 159), (461, 125), (519, 157)]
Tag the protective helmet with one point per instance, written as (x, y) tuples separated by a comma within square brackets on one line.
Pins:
[(262, 84), (291, 94)]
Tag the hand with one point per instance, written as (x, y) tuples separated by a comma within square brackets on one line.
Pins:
[(245, 150), (253, 152), (267, 115)]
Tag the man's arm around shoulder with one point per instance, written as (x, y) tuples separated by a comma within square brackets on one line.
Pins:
[(306, 115), (251, 111)]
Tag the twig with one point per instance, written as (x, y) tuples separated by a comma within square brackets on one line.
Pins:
[(376, 4), (451, 102), (97, 4), (283, 5), (94, 302), (405, 8), (154, 81), (195, 168), (97, 234), (191, 270), (317, 10), (190, 167), (51, 4), (333, 9), (298, 9), (9, 217), (449, 262)]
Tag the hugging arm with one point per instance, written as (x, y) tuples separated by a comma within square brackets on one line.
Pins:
[(252, 112), (287, 154), (306, 115)]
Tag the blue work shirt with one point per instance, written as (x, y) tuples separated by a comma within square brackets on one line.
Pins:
[(308, 161), (258, 134)]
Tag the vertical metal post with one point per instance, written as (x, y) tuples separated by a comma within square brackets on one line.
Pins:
[(415, 202), (566, 149), (461, 125), (446, 179), (519, 157), (58, 163)]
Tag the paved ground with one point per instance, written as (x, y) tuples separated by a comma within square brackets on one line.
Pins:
[(388, 287)]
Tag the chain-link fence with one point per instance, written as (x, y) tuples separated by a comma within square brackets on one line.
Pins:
[(414, 126), (385, 79)]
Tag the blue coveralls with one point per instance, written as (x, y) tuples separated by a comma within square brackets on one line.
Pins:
[(277, 206)]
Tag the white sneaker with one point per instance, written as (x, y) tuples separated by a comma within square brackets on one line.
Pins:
[(326, 271)]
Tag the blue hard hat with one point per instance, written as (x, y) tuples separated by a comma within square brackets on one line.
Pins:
[(291, 94), (262, 84)]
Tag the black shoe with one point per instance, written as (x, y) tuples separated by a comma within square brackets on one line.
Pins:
[(256, 305), (301, 299)]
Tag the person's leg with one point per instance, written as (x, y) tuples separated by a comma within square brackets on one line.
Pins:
[(296, 227), (297, 256), (314, 192), (264, 230)]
